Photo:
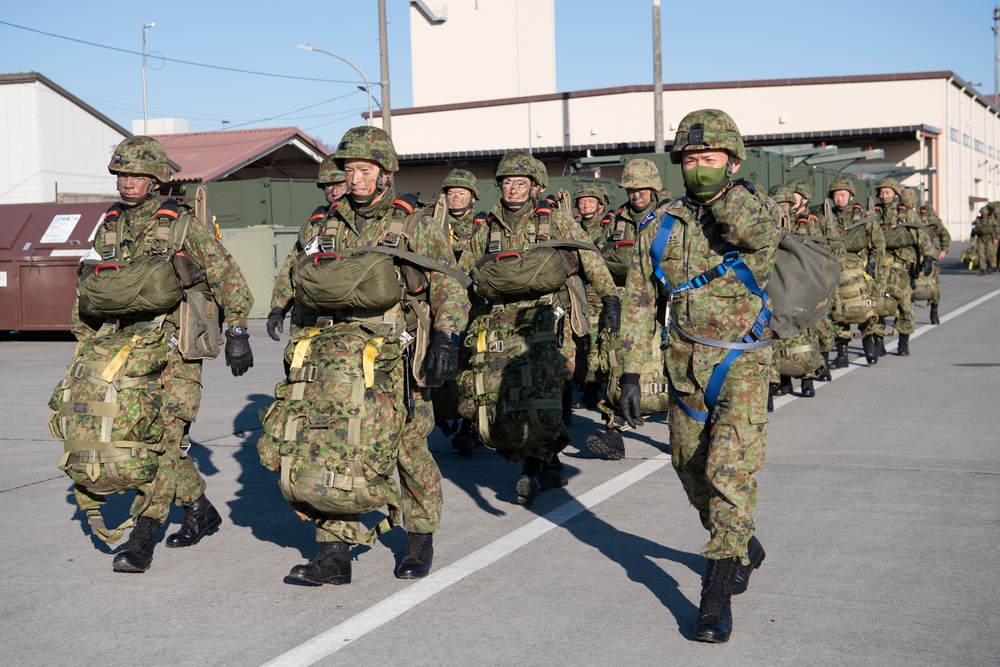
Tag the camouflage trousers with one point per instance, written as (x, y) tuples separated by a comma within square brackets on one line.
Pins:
[(421, 500), (902, 290), (588, 352), (177, 480), (987, 251), (717, 460), (824, 334), (870, 327)]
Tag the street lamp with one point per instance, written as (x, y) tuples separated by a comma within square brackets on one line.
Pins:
[(368, 86), (145, 116)]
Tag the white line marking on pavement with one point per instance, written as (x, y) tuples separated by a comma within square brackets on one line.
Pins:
[(340, 636), (395, 605)]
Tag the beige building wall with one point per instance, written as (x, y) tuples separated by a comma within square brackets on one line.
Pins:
[(484, 49)]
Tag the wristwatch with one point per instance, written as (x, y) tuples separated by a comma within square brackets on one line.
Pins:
[(238, 331)]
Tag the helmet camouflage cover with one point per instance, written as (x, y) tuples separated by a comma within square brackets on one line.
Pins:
[(142, 156), (640, 173), (889, 183), (517, 163), (367, 143), (329, 173), (909, 198), (707, 129), (782, 193), (802, 187), (842, 184), (461, 178), (591, 189), (541, 173)]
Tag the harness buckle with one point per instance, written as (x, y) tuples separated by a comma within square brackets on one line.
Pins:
[(493, 247), (495, 346), (394, 243), (310, 374), (329, 479), (326, 243)]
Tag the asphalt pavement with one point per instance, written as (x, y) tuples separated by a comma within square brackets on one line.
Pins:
[(878, 509)]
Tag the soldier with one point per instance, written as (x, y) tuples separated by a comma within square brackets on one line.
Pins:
[(133, 229), (370, 215), (909, 251), (461, 189), (515, 224), (984, 233), (941, 239), (333, 183), (719, 345), (591, 200), (864, 244)]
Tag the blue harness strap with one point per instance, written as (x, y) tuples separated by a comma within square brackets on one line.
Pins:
[(731, 261)]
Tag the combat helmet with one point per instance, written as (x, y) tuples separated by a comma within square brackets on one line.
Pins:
[(329, 173), (842, 184), (889, 183), (591, 189), (141, 156), (517, 163), (802, 187), (542, 173), (367, 143), (707, 129), (909, 198), (461, 178), (782, 193), (640, 173)]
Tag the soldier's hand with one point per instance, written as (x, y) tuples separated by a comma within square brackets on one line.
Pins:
[(441, 362), (275, 322), (870, 269), (942, 255), (630, 399), (546, 206), (406, 203), (611, 314), (928, 265), (239, 357)]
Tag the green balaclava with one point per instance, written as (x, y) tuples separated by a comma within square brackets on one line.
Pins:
[(703, 183)]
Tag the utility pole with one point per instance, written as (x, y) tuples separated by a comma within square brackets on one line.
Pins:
[(996, 56), (383, 52), (657, 82), (145, 116)]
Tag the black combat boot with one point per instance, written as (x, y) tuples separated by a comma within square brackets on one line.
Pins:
[(934, 314), (880, 346), (465, 440), (755, 552), (824, 375), (332, 565), (567, 404), (784, 387), (590, 398), (715, 615), (137, 555), (553, 475), (808, 390), (841, 360), (903, 348), (871, 355), (528, 484), (982, 272), (770, 401), (608, 443), (418, 558), (200, 518)]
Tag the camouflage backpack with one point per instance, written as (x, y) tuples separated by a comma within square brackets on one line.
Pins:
[(652, 380), (798, 357), (107, 412), (333, 430), (853, 301)]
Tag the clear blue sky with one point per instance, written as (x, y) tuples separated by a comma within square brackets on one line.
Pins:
[(598, 44)]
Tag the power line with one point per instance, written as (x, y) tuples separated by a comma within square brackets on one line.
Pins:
[(175, 60)]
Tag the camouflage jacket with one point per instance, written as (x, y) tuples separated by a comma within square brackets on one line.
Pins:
[(228, 286), (521, 231), (596, 227), (283, 295), (918, 242), (940, 236), (852, 215), (724, 309), (459, 231)]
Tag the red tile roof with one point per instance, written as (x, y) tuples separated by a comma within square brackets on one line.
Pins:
[(212, 156)]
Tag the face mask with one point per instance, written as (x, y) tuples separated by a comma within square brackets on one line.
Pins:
[(705, 182), (887, 200)]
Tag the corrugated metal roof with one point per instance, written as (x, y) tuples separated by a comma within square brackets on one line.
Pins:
[(280, 152)]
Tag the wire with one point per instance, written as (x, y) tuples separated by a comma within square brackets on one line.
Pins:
[(175, 60)]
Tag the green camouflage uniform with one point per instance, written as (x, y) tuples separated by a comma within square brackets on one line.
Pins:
[(940, 239), (460, 231), (864, 239), (715, 460), (419, 475), (283, 293), (177, 480), (984, 233), (906, 243), (588, 358)]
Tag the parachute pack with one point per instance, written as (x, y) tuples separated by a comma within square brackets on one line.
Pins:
[(107, 413), (802, 284), (853, 301), (334, 428), (653, 383)]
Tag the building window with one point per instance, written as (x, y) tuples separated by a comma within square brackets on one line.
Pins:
[(979, 146), (954, 134), (989, 151)]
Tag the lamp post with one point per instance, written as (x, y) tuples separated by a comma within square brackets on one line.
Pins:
[(368, 86), (145, 116)]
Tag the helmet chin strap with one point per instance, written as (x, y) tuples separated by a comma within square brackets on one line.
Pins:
[(136, 201), (381, 183)]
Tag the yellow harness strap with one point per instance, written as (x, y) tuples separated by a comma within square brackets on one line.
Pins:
[(302, 347), (368, 360)]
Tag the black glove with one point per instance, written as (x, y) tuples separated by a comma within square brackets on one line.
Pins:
[(406, 203), (928, 265), (546, 206), (275, 322), (441, 362), (630, 399), (611, 314), (239, 357), (870, 268)]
